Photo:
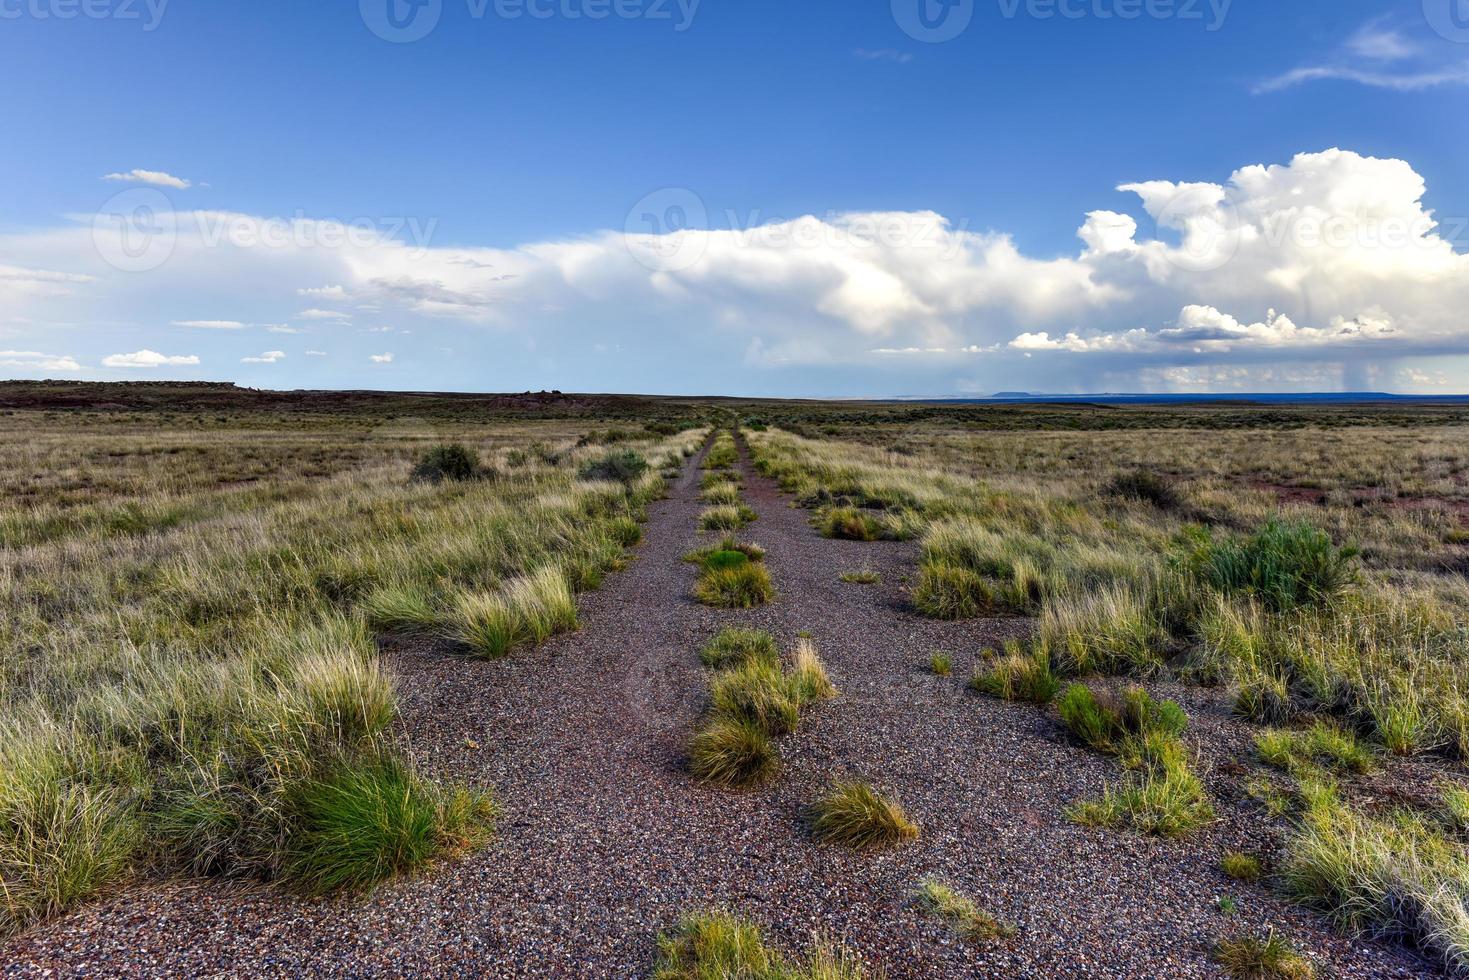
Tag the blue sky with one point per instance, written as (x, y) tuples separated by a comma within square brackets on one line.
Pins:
[(511, 156)]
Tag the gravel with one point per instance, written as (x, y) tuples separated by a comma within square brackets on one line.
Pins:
[(604, 840)]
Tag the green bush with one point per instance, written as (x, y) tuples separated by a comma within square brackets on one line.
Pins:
[(453, 461), (1285, 564), (620, 466)]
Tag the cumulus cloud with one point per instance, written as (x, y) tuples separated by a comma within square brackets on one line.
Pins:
[(157, 178), (269, 357), (148, 359), (29, 360), (381, 358), (1330, 256)]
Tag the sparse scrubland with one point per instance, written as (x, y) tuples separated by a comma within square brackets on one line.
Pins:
[(190, 680), (1335, 621), (1240, 630)]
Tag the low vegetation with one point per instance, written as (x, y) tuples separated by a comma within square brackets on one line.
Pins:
[(754, 698), (855, 814), (719, 946), (1242, 867), (960, 912), (189, 680), (1269, 957)]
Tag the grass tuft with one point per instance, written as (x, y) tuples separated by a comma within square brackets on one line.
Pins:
[(961, 912), (855, 814), (742, 587), (732, 753), (1242, 867), (1249, 957), (1018, 676)]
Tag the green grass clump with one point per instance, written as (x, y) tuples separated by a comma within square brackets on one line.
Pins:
[(720, 560), (848, 523), (725, 517), (528, 609), (1397, 875), (403, 609), (855, 814), (951, 592), (732, 647), (865, 576), (1249, 957), (729, 542), (718, 946), (732, 753), (1108, 724), (1286, 565), (721, 492), (1108, 631), (807, 679), (756, 692), (941, 664), (358, 825), (1019, 675), (961, 912), (1167, 800), (1323, 744), (1264, 699), (740, 587), (1242, 867)]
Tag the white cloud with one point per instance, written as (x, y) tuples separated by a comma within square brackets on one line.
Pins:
[(210, 324), (29, 360), (324, 292), (316, 353), (381, 358), (883, 54), (1329, 255), (269, 357), (282, 328), (157, 178), (148, 359), (1373, 56)]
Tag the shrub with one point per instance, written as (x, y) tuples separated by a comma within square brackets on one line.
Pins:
[(1147, 486), (360, 824), (1019, 676), (1242, 867), (620, 466), (1249, 957), (742, 587), (855, 814), (733, 646), (453, 461), (732, 753), (848, 523), (1285, 564), (960, 912)]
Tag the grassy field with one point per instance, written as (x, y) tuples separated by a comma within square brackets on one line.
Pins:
[(189, 679), (196, 580)]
